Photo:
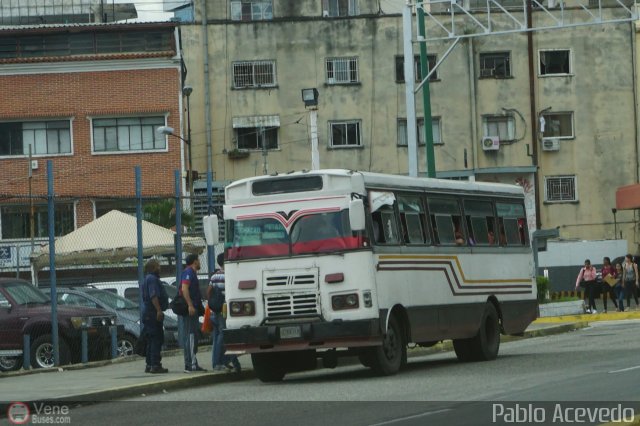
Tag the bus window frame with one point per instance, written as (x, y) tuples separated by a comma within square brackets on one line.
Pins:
[(461, 220), (494, 222), (427, 239)]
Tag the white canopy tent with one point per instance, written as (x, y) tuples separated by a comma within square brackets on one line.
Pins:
[(112, 238)]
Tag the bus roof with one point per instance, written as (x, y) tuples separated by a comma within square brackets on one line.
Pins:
[(392, 181)]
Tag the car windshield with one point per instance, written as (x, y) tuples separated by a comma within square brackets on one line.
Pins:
[(314, 233), (112, 300), (25, 294)]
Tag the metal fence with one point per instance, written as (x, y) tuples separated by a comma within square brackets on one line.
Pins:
[(69, 290)]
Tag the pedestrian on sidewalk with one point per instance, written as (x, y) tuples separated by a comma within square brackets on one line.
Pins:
[(587, 279), (216, 300), (609, 275), (154, 302), (630, 279), (190, 290), (618, 288)]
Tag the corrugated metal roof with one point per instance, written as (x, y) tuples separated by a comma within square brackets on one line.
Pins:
[(50, 28)]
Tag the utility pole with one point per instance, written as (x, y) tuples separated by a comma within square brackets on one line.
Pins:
[(409, 82), (264, 150), (315, 154), (426, 93)]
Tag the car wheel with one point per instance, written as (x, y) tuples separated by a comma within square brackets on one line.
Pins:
[(126, 345), (42, 352), (10, 363)]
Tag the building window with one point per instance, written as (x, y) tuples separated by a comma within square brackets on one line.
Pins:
[(345, 134), (495, 65), (502, 126), (128, 134), (555, 62), (251, 10), (334, 8), (45, 137), (253, 137), (435, 127), (342, 70), (103, 207), (560, 189), (16, 221), (249, 74), (558, 125), (417, 72)]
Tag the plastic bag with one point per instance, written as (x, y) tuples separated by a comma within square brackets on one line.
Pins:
[(207, 325)]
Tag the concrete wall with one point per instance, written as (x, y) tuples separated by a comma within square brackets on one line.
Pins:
[(563, 259)]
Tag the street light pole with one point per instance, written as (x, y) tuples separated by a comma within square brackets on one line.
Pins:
[(170, 131), (310, 99), (186, 91)]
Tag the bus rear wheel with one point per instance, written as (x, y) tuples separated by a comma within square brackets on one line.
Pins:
[(387, 358), (268, 367), (484, 346)]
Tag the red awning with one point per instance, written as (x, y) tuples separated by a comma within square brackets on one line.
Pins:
[(628, 197)]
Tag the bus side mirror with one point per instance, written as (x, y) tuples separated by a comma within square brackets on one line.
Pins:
[(356, 215), (211, 232)]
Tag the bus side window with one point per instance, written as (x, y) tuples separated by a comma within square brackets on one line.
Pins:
[(480, 222), (412, 220), (383, 217), (446, 221), (512, 224)]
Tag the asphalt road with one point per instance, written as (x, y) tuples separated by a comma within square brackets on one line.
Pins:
[(544, 378)]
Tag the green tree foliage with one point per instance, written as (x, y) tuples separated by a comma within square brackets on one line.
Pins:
[(543, 288), (163, 213)]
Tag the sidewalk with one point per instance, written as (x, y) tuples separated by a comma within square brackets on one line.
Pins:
[(108, 380)]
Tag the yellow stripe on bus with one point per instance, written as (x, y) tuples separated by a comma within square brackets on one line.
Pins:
[(454, 258)]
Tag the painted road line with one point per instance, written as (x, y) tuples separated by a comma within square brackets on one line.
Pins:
[(624, 369), (415, 416)]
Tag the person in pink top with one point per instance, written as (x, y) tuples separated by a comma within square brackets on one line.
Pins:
[(587, 277)]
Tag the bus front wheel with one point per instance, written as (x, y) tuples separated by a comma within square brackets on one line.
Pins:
[(268, 367), (387, 358), (485, 344)]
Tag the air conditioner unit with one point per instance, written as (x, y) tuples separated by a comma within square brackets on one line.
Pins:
[(490, 143), (331, 80), (552, 144), (487, 72)]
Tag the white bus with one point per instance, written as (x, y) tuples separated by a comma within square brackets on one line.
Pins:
[(335, 262)]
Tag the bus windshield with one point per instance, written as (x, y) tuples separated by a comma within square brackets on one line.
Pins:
[(266, 237)]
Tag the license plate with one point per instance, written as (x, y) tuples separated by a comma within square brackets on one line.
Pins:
[(290, 332)]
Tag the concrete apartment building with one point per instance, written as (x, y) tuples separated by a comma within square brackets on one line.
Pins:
[(582, 84), (88, 96)]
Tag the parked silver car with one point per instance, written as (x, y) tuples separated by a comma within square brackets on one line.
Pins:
[(127, 314)]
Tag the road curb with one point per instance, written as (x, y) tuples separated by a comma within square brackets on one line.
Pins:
[(610, 316)]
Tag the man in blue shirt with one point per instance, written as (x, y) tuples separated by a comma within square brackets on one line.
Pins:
[(152, 317), (190, 290)]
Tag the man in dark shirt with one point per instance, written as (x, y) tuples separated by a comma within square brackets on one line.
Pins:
[(152, 317), (190, 290)]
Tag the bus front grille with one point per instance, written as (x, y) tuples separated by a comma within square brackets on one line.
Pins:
[(288, 305)]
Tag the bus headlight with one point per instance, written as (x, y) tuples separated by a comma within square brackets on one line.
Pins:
[(345, 301), (242, 308)]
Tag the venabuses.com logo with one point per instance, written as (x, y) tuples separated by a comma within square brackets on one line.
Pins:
[(18, 413)]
